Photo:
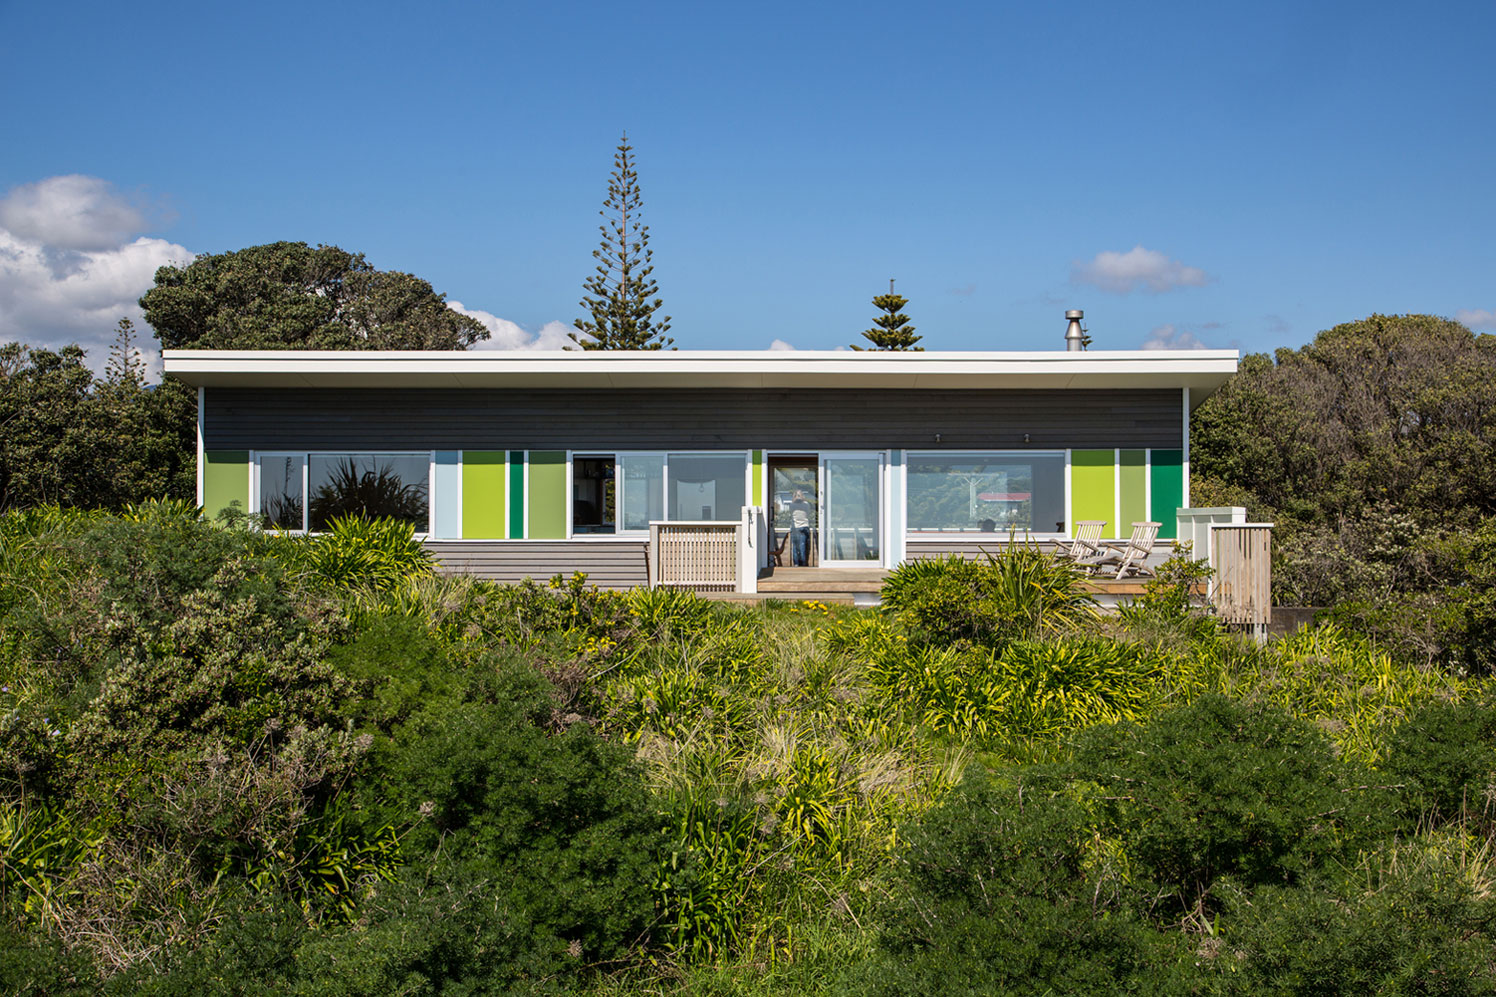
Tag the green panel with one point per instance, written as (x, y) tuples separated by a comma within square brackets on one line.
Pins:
[(1093, 488), (1133, 470), (1168, 490), (516, 494), (547, 495), (758, 478), (483, 489), (225, 481)]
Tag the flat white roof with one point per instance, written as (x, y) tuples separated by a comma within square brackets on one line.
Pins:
[(1203, 371)]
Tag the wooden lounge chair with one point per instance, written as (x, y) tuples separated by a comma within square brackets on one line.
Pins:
[(1085, 543), (1129, 558)]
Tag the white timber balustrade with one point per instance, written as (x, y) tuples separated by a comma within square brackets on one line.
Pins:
[(694, 555), (1242, 587), (1195, 524)]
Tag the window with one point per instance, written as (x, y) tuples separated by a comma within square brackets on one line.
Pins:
[(643, 489), (306, 491), (624, 493), (992, 493), (281, 487), (706, 487), (592, 494)]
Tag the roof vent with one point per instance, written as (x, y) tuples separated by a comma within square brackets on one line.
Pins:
[(1075, 336)]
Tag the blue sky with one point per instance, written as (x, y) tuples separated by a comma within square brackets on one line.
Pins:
[(1226, 175)]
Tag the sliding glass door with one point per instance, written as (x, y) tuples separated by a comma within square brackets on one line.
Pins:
[(852, 509)]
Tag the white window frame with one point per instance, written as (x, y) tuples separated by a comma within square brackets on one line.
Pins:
[(306, 463), (912, 457), (619, 533)]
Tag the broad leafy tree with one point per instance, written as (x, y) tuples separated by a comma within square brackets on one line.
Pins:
[(71, 439), (891, 330), (288, 295), (621, 294), (1370, 448)]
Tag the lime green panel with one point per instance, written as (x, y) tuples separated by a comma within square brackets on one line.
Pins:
[(547, 495), (483, 480), (225, 481), (1093, 488), (758, 477), (1133, 471), (1167, 476)]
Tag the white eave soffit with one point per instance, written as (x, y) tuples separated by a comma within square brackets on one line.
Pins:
[(1196, 369)]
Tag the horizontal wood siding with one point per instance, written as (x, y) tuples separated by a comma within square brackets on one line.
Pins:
[(613, 565), (683, 418)]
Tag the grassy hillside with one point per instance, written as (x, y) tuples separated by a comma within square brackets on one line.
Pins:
[(236, 763)]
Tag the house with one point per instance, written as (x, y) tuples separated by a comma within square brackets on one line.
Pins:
[(515, 464)]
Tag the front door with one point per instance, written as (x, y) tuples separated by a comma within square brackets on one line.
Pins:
[(852, 509)]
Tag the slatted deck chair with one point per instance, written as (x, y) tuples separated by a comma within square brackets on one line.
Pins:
[(1085, 543), (1129, 558)]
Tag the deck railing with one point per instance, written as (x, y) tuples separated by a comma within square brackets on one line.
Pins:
[(698, 555)]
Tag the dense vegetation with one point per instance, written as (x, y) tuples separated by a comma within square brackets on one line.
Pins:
[(234, 762), (1371, 450)]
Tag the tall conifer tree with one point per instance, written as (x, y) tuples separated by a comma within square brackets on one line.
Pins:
[(620, 296), (891, 330)]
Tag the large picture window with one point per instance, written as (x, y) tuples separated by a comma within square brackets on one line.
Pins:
[(306, 491), (986, 493), (625, 492)]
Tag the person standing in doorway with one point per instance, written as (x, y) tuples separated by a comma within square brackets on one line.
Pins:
[(799, 511)]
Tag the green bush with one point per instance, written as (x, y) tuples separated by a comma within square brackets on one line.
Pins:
[(358, 551), (1218, 789), (1029, 689), (1418, 931), (1444, 755), (1020, 593), (564, 821), (1002, 891)]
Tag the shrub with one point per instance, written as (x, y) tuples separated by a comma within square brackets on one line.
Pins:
[(1216, 789), (1001, 892), (1029, 689), (358, 551), (1444, 754), (563, 820), (1017, 594), (1410, 919)]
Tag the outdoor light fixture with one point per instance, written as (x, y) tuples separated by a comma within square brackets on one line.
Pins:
[(937, 437), (1026, 438)]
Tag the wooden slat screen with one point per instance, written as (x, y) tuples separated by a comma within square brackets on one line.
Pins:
[(1242, 591), (699, 556)]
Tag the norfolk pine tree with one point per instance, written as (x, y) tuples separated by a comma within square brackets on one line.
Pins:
[(891, 330), (618, 296)]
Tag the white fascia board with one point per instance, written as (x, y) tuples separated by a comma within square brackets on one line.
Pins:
[(1203, 370)]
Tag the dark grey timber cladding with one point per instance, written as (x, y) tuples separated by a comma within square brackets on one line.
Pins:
[(609, 564), (708, 419)]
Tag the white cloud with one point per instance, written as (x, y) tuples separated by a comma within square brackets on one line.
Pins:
[(1121, 273), (506, 335), (1167, 337), (70, 212), (780, 344), (1477, 318), (72, 264)]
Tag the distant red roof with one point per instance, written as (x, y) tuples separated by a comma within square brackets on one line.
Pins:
[(1005, 496)]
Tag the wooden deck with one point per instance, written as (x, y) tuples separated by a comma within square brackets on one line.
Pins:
[(861, 586)]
